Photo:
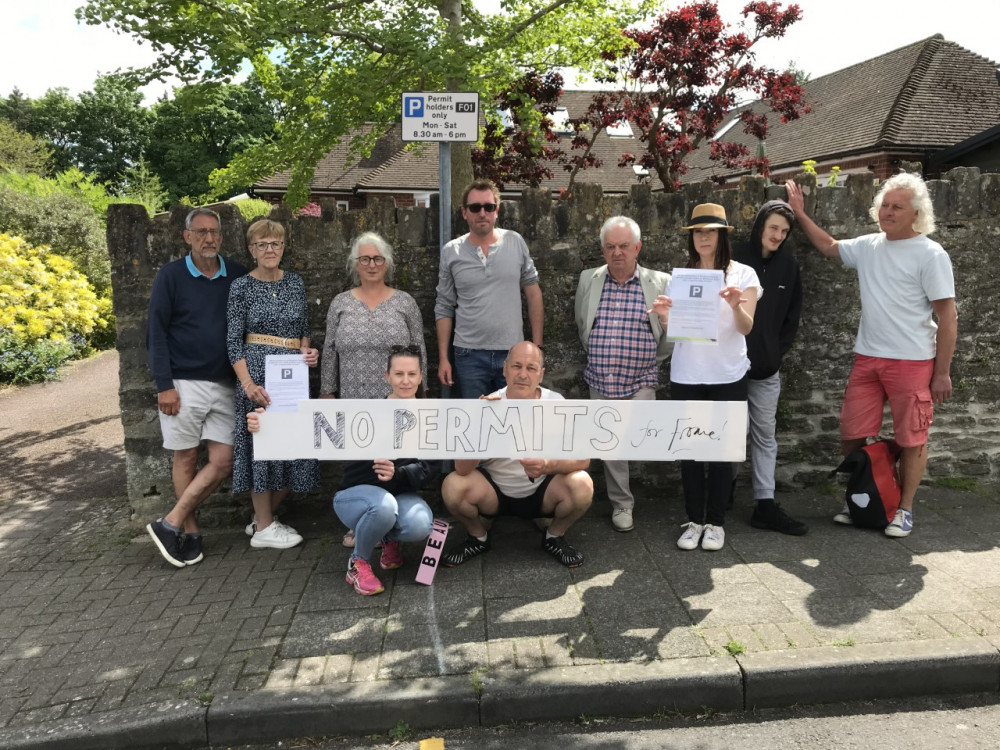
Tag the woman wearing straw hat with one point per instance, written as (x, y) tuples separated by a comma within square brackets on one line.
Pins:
[(712, 372)]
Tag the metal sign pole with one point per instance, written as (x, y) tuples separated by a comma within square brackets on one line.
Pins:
[(444, 191)]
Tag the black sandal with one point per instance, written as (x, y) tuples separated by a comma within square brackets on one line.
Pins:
[(562, 551), (470, 548)]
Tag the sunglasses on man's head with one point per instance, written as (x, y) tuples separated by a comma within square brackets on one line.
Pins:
[(410, 349), (475, 208)]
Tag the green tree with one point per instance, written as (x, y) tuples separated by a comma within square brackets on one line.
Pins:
[(51, 117), (54, 117), (336, 65), (800, 75), (22, 152), (204, 127), (16, 109), (142, 186), (110, 130)]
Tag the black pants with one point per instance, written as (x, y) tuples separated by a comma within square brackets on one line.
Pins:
[(715, 477)]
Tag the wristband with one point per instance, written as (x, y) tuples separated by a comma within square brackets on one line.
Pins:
[(245, 386)]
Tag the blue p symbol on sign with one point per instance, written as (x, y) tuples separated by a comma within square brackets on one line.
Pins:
[(413, 106)]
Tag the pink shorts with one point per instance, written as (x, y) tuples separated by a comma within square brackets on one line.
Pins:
[(905, 384)]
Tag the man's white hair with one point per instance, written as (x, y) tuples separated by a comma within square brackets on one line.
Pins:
[(920, 200), (621, 221)]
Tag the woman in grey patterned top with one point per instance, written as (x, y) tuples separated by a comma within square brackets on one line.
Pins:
[(363, 324)]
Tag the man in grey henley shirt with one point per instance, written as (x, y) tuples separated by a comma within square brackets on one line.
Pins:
[(481, 275)]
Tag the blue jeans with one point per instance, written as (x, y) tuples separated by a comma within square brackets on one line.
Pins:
[(376, 515), (479, 371)]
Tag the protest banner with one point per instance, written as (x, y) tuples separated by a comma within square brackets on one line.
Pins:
[(347, 430)]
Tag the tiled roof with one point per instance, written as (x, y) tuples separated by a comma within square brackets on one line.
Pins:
[(340, 170), (407, 170), (411, 169), (391, 167), (922, 97), (608, 149)]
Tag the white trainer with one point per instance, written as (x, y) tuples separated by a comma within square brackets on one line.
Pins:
[(714, 538), (251, 528), (691, 536), (275, 536), (844, 517), (621, 519)]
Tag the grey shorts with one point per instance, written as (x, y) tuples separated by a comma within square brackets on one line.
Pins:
[(207, 413)]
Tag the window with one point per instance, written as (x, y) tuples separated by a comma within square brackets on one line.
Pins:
[(560, 121), (620, 129)]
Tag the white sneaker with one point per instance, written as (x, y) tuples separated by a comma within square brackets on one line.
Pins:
[(714, 538), (691, 536), (251, 528), (276, 536), (902, 524), (621, 519), (844, 517)]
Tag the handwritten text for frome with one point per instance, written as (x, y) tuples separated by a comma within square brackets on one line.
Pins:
[(340, 430)]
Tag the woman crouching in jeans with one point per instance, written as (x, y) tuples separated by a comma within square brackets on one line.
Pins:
[(378, 499)]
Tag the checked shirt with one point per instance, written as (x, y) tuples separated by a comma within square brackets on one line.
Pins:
[(621, 350)]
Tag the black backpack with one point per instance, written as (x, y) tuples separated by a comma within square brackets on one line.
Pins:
[(873, 489)]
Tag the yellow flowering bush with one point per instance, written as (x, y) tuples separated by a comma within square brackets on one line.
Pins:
[(48, 311)]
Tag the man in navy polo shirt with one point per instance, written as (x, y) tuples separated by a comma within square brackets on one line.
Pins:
[(186, 345)]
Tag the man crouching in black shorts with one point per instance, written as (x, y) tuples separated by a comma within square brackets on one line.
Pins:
[(527, 488)]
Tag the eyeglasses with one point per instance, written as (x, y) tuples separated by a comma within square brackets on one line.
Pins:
[(367, 260), (410, 349), (475, 208), (268, 245), (623, 247), (206, 232)]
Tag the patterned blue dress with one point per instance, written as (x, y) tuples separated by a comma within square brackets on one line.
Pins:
[(274, 308)]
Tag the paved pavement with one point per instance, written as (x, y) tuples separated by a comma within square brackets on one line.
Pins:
[(104, 645)]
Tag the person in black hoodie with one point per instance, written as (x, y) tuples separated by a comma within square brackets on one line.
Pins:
[(775, 326)]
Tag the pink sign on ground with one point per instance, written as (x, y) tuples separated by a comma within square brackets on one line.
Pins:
[(432, 552)]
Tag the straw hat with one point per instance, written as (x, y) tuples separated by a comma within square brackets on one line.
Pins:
[(708, 216)]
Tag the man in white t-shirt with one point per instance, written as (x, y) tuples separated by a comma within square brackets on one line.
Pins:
[(528, 488), (901, 354)]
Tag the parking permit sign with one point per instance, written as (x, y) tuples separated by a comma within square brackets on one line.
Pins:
[(441, 116)]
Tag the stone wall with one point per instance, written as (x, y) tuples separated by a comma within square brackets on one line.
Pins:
[(563, 236)]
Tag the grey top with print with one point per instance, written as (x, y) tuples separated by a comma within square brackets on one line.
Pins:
[(358, 341), (483, 294)]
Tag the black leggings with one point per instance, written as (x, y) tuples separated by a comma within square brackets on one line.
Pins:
[(714, 476)]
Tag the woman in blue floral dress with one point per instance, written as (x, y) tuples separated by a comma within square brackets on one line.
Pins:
[(267, 314)]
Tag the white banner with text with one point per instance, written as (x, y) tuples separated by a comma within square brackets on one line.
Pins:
[(347, 430)]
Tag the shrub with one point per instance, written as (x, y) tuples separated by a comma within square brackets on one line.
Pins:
[(35, 362), (252, 208), (48, 311), (21, 151), (310, 209), (66, 224)]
